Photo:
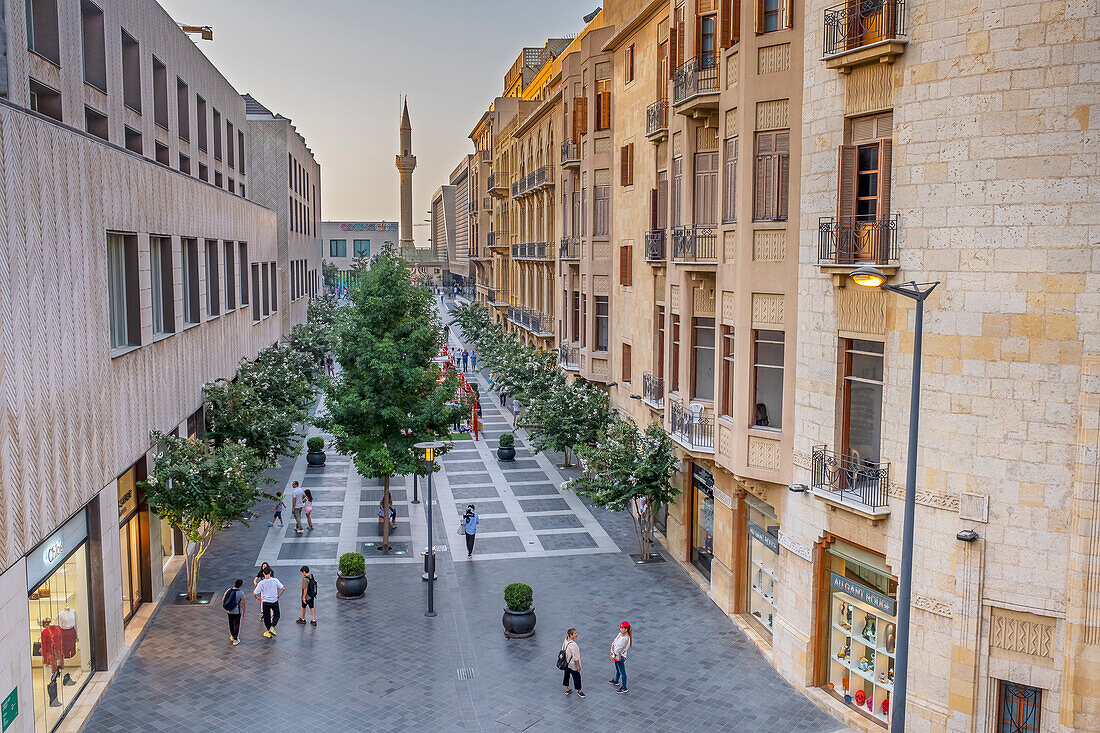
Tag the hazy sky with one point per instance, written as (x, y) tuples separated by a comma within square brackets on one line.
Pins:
[(337, 68)]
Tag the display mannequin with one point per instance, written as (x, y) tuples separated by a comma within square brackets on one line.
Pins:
[(52, 656), (66, 619)]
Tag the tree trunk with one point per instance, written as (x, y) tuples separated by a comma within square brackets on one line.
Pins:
[(566, 464), (193, 560), (387, 502)]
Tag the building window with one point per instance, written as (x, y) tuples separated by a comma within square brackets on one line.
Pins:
[(603, 104), (200, 122), (862, 400), (584, 319), (94, 45), (659, 357), (706, 189), (731, 23), (768, 379), (337, 248), (162, 281), (96, 123), (240, 155), (230, 275), (630, 63), (360, 248), (44, 100), (728, 398), (255, 301), (702, 355), (160, 152), (575, 331), (160, 94), (132, 139), (217, 135), (189, 250), (204, 172), (243, 265), (131, 72), (274, 288), (674, 357), (708, 48), (230, 152), (603, 314), (185, 164), (124, 306), (729, 189), (42, 34), (183, 111), (768, 15), (771, 176), (626, 362), (601, 215), (218, 180), (626, 259), (265, 286), (626, 165), (213, 291), (677, 188), (1018, 708)]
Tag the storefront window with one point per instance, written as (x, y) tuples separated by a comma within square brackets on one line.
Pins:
[(763, 554), (702, 535), (133, 531), (60, 632), (862, 605)]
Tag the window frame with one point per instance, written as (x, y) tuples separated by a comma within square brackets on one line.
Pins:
[(602, 332), (757, 365), (627, 367), (699, 353), (626, 265), (123, 291), (727, 349), (771, 176), (729, 184), (162, 285), (1018, 723), (189, 261)]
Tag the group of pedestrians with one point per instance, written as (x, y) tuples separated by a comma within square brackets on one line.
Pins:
[(301, 505), (267, 590), (569, 660)]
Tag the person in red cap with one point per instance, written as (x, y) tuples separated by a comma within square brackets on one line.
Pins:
[(619, 647)]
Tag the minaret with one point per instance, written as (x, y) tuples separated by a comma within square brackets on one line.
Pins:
[(406, 163)]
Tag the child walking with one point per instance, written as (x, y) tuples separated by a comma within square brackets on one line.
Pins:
[(280, 505)]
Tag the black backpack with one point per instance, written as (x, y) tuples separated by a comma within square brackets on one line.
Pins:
[(311, 587), (229, 600), (563, 660)]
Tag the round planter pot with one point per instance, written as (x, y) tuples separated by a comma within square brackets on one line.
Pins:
[(519, 624), (315, 458), (350, 586), (506, 453)]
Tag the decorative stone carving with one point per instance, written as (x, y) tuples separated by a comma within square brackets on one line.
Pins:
[(601, 285), (601, 251), (601, 146), (932, 605), (706, 139), (763, 453), (603, 70), (927, 498), (1024, 634), (677, 144), (868, 88), (729, 246), (733, 70), (802, 460), (674, 297), (772, 115), (771, 59), (974, 507), (731, 118), (767, 311), (861, 311), (729, 306), (725, 441), (769, 245), (703, 298), (723, 498), (602, 177), (805, 552), (599, 368)]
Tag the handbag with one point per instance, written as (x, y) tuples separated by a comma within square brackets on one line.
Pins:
[(461, 530)]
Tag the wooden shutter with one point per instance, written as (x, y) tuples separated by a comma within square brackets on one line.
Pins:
[(680, 40), (846, 182), (652, 208), (787, 21), (885, 154), (630, 161), (580, 109), (624, 166), (626, 362), (783, 170), (724, 24), (673, 49), (758, 18)]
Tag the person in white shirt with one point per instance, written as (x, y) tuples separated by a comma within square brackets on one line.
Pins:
[(572, 662), (619, 648), (297, 501), (267, 592)]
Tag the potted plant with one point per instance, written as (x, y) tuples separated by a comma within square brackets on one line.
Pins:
[(506, 450), (316, 454), (519, 611), (351, 580)]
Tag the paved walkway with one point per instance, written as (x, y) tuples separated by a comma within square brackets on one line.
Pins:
[(378, 664)]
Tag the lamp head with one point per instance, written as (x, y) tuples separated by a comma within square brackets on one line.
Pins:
[(868, 277)]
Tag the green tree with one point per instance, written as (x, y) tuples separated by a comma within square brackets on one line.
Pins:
[(389, 395), (628, 468), (329, 273), (564, 417), (200, 488)]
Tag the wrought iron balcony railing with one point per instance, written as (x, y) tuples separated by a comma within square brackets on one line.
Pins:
[(538, 323), (653, 389), (863, 23), (694, 77), (655, 245), (485, 156), (498, 182), (570, 248), (497, 238), (531, 251), (692, 428), (695, 244), (656, 118), (849, 478), (570, 153), (569, 357), (486, 203), (855, 240)]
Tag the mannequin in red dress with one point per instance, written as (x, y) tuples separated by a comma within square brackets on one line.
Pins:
[(52, 656)]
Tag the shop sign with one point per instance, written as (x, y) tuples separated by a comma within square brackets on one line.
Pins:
[(862, 593), (47, 556), (9, 709), (764, 538), (702, 479)]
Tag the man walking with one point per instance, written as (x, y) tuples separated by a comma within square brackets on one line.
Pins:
[(473, 361), (465, 360), (297, 503), (503, 395), (233, 603), (309, 593), (267, 592), (469, 527)]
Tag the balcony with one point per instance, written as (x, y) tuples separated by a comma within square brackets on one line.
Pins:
[(691, 427), (485, 156), (847, 242), (847, 480), (471, 206), (653, 391), (864, 31), (498, 298), (655, 246), (532, 251), (570, 154), (695, 85), (656, 121), (537, 323), (695, 244), (497, 238), (486, 203), (498, 184), (480, 253), (569, 357), (570, 248)]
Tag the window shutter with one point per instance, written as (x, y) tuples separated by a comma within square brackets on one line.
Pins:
[(885, 153), (788, 14), (735, 24), (846, 182), (630, 161), (783, 163), (680, 48), (724, 22), (652, 208), (760, 187), (673, 49), (581, 110), (758, 18), (622, 165)]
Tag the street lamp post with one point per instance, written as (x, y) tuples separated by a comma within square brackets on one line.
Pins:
[(430, 447), (872, 277)]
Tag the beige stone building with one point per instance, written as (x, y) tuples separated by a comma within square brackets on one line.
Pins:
[(755, 154)]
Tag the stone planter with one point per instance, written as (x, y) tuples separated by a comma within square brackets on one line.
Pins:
[(315, 458), (350, 586), (506, 453), (519, 624)]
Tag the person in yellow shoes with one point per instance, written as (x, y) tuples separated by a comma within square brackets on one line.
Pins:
[(267, 592)]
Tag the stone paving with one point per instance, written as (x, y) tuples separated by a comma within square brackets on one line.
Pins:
[(378, 664)]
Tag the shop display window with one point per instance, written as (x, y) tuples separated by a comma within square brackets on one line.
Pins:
[(762, 565), (702, 535)]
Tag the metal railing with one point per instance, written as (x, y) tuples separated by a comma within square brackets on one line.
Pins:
[(486, 203), (497, 238), (653, 389), (695, 76), (533, 181), (850, 478), (862, 23), (695, 244), (498, 181), (570, 153), (471, 206), (538, 323), (655, 245), (530, 251), (570, 248), (485, 156), (693, 429), (656, 117), (855, 240), (569, 357)]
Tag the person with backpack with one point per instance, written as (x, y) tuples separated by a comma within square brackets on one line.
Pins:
[(569, 661), (619, 648), (267, 592), (309, 594), (233, 603)]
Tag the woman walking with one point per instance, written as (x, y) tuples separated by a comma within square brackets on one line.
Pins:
[(308, 509), (619, 648), (572, 662), (469, 528)]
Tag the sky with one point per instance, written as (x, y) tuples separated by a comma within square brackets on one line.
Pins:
[(338, 69)]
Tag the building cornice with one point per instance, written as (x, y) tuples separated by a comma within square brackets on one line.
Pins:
[(644, 16), (532, 119)]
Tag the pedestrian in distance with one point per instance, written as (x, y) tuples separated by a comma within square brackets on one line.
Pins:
[(503, 395), (515, 409), (469, 528), (330, 365), (297, 500), (267, 592), (307, 508), (465, 360), (233, 603), (277, 514), (309, 594), (619, 647), (572, 661), (381, 514), (473, 361)]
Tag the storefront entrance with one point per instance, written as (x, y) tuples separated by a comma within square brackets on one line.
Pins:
[(702, 529), (133, 536), (762, 553)]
